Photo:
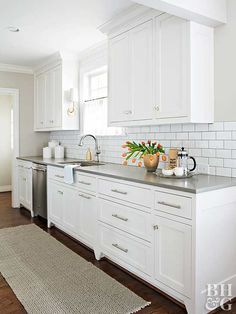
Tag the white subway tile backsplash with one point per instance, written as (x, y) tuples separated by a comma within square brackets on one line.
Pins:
[(216, 144), (195, 136), (217, 126), (230, 145), (230, 163), (208, 135), (182, 136), (164, 128), (231, 126), (201, 127), (201, 144), (223, 172), (176, 127), (223, 153), (216, 162), (211, 144), (224, 135), (208, 152), (188, 127)]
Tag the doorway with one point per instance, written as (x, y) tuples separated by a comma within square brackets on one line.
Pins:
[(9, 142)]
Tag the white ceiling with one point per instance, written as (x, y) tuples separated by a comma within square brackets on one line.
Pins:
[(47, 26)]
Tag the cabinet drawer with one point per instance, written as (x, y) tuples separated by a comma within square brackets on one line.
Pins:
[(85, 182), (122, 246), (56, 173), (132, 194), (173, 204), (24, 164), (125, 218)]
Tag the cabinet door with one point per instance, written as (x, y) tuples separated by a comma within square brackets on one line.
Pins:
[(172, 62), (28, 189), (173, 254), (49, 110), (70, 215), (87, 217), (55, 201), (120, 107), (141, 38), (22, 185), (53, 92), (57, 97), (40, 101)]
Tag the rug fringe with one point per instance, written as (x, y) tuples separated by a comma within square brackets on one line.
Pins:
[(141, 307)]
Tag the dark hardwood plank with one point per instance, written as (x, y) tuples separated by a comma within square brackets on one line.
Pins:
[(10, 217)]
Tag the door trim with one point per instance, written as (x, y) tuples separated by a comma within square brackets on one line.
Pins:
[(16, 145)]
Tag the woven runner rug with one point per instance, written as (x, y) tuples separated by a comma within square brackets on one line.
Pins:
[(49, 278)]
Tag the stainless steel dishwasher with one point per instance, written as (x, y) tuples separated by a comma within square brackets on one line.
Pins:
[(40, 190)]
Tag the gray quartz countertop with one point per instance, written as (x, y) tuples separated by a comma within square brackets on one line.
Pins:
[(197, 184)]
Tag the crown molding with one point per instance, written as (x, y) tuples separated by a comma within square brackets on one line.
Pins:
[(127, 18), (4, 67)]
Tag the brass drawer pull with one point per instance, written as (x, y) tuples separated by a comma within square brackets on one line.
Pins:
[(117, 191), (170, 205), (119, 217), (84, 196), (58, 176), (120, 248), (83, 182)]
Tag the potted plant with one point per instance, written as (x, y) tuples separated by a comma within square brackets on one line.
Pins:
[(149, 152)]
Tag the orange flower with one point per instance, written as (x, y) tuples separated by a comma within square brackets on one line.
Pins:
[(164, 157), (123, 146), (133, 160), (140, 164), (125, 163), (124, 155), (158, 154), (151, 158)]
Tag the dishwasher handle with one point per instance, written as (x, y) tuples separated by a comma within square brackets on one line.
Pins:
[(37, 169)]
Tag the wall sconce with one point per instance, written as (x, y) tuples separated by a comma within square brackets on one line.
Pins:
[(73, 97)]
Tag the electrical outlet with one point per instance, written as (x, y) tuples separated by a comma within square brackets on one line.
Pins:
[(202, 168)]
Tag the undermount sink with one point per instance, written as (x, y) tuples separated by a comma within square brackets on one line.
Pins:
[(82, 163)]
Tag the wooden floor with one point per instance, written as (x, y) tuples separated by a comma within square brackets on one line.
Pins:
[(9, 304)]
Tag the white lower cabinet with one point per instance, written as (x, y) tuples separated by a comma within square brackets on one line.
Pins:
[(172, 247), (55, 202), (125, 247), (25, 184), (72, 210), (165, 237), (87, 205)]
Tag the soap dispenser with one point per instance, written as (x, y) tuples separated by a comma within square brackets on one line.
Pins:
[(88, 155)]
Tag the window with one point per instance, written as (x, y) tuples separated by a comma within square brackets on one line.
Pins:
[(95, 104)]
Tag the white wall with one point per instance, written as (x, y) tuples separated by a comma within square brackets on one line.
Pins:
[(5, 142), (31, 143), (225, 67)]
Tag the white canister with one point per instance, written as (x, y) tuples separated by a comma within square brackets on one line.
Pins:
[(52, 145), (47, 153), (59, 152)]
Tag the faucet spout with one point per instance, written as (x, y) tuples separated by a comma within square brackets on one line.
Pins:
[(97, 150)]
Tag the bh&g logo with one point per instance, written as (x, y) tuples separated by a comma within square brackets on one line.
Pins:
[(219, 295)]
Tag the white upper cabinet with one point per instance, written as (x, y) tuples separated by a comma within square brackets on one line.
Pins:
[(119, 81), (130, 75), (141, 60), (160, 70), (53, 82), (171, 67)]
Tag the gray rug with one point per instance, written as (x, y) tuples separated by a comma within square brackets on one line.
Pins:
[(49, 278)]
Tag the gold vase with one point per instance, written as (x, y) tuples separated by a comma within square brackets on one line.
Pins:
[(151, 162)]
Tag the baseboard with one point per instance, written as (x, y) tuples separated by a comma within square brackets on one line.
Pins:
[(5, 188)]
